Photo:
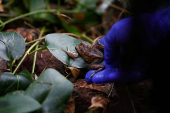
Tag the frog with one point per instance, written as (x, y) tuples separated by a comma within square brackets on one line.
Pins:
[(90, 53)]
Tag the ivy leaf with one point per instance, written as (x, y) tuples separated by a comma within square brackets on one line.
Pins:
[(10, 82), (56, 42), (52, 90), (17, 102), (12, 46)]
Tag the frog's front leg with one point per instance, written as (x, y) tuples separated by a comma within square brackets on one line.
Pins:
[(99, 45), (72, 55), (99, 67)]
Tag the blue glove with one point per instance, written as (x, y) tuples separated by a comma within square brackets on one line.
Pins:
[(130, 46)]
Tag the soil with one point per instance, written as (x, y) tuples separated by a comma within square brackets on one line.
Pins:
[(120, 102)]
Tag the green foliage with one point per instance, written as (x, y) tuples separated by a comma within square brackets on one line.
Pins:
[(10, 82), (35, 5), (56, 42), (17, 102), (46, 16), (59, 92), (49, 93), (12, 46)]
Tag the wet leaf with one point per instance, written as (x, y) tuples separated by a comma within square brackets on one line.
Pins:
[(52, 90), (17, 102), (105, 88), (10, 82), (12, 46), (56, 42)]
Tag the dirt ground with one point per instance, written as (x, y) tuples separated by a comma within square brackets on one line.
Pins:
[(120, 102)]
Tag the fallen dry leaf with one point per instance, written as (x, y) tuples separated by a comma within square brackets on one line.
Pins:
[(70, 107), (105, 88), (75, 72), (100, 102), (28, 34)]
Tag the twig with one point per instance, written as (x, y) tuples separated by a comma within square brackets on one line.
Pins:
[(111, 90), (133, 107), (31, 26), (64, 16), (5, 69), (47, 64), (116, 7), (120, 15), (35, 40), (34, 12)]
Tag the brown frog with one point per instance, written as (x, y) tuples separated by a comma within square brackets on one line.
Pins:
[(90, 54)]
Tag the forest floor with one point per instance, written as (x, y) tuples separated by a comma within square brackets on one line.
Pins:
[(118, 102)]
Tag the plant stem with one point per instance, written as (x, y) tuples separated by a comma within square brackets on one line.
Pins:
[(48, 5), (11, 66), (34, 12), (37, 49), (58, 7), (133, 107), (26, 53), (35, 54), (35, 40), (85, 37)]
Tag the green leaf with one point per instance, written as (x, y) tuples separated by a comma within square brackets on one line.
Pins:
[(56, 42), (17, 102), (45, 16), (36, 5), (12, 46), (51, 89), (10, 82), (86, 4)]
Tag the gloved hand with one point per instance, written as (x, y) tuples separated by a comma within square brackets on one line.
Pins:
[(130, 46)]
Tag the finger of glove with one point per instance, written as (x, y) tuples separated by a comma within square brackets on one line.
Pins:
[(102, 76), (112, 76)]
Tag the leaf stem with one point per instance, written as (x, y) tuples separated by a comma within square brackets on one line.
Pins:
[(85, 37), (58, 7), (35, 40), (34, 12), (37, 49), (26, 53), (11, 66), (130, 96), (47, 4), (35, 54)]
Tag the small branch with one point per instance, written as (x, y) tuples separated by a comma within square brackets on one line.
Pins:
[(47, 64), (35, 40), (133, 107), (34, 12), (37, 31), (116, 7), (58, 7), (5, 69), (111, 90), (48, 5)]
